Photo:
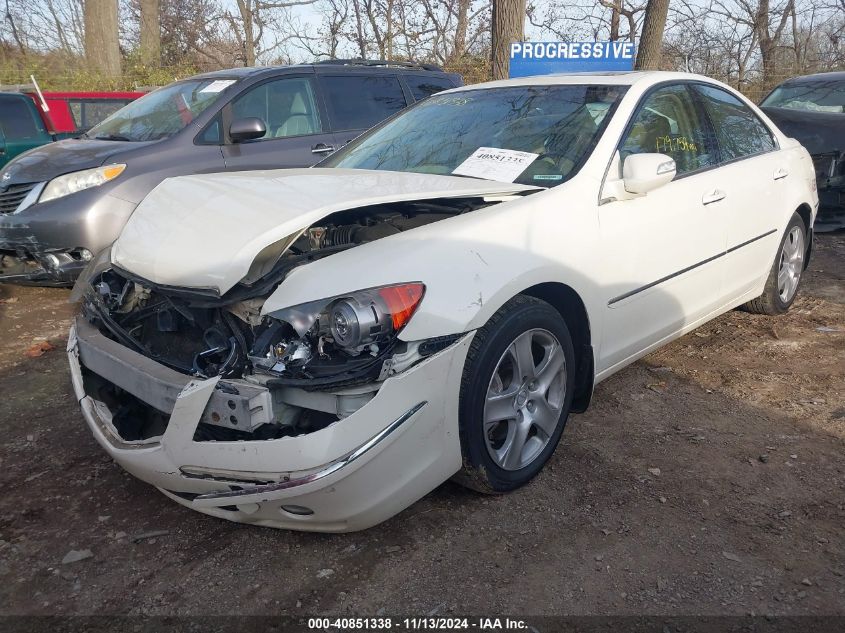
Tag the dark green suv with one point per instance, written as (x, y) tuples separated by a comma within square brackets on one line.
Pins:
[(21, 126)]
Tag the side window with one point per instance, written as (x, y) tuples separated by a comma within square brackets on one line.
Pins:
[(19, 120), (75, 112), (287, 106), (668, 122), (423, 87), (360, 101), (738, 130), (212, 134)]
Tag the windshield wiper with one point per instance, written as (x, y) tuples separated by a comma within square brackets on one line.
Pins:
[(113, 137)]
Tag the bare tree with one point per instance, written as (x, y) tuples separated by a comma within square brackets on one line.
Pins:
[(769, 35), (650, 50), (253, 20), (102, 49), (587, 19), (13, 27), (508, 27)]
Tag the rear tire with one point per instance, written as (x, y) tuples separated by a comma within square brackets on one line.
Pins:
[(785, 275), (516, 393)]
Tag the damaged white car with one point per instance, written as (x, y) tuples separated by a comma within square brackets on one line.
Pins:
[(317, 349)]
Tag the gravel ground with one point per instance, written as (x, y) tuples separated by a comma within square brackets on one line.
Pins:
[(708, 478)]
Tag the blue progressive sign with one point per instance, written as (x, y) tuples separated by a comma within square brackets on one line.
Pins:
[(543, 58)]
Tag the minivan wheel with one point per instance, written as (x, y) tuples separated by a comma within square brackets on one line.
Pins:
[(785, 274), (516, 393)]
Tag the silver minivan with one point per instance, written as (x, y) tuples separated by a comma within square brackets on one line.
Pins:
[(64, 202)]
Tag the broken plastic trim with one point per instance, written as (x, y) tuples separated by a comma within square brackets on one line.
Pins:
[(209, 499)]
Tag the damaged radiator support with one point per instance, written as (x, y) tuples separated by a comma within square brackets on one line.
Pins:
[(234, 404)]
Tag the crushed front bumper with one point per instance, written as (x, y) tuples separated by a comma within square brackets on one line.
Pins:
[(43, 243), (25, 267), (348, 476)]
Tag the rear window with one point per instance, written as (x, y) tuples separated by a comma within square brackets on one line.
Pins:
[(423, 87), (18, 121), (358, 102), (87, 113)]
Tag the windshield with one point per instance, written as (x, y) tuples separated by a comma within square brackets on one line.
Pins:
[(818, 96), (541, 133), (161, 113)]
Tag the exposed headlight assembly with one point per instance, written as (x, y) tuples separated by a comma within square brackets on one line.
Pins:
[(361, 323), (78, 180)]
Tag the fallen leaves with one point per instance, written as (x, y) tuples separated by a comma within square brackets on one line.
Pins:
[(38, 349)]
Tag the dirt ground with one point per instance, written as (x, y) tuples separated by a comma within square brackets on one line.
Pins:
[(744, 418)]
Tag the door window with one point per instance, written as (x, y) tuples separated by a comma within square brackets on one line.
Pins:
[(360, 101), (287, 107), (422, 87), (739, 132), (668, 122), (19, 121)]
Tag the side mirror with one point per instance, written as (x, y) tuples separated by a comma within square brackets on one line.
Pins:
[(643, 172), (247, 129)]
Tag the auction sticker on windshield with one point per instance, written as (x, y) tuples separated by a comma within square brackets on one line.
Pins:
[(218, 86), (491, 163)]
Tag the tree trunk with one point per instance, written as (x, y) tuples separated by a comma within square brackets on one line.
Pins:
[(614, 22), (150, 33), (460, 44), (102, 49), (359, 30), (245, 7), (651, 41), (508, 27)]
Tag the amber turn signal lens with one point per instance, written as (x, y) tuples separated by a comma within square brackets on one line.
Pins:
[(401, 302), (113, 171)]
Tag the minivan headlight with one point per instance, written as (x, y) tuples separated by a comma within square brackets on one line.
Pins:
[(95, 266), (78, 180)]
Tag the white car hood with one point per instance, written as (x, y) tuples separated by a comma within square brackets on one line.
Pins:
[(204, 231)]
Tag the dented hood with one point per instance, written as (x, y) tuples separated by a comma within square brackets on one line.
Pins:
[(204, 231)]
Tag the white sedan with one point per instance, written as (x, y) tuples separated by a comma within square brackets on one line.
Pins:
[(317, 349)]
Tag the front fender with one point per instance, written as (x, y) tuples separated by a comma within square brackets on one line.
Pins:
[(471, 265)]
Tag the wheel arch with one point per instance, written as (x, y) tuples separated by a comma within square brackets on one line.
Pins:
[(806, 214), (572, 309)]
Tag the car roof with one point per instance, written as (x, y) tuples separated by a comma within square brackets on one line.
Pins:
[(333, 64), (832, 76), (617, 78)]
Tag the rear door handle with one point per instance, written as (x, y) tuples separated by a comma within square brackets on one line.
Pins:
[(322, 148), (713, 196), (780, 172)]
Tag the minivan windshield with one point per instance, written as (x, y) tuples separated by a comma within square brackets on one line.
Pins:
[(557, 126), (161, 113), (823, 95)]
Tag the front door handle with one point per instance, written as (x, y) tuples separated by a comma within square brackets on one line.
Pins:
[(713, 196), (780, 173), (322, 148)]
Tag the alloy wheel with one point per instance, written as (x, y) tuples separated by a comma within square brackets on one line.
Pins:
[(791, 264), (525, 399)]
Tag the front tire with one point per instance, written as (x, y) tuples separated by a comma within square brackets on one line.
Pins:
[(785, 275), (516, 393)]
